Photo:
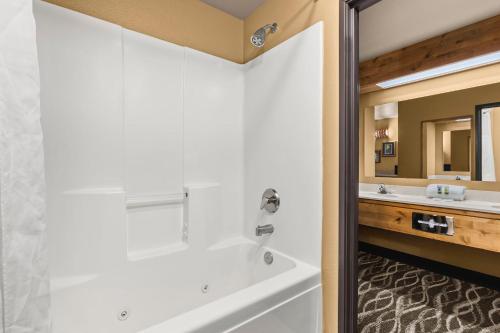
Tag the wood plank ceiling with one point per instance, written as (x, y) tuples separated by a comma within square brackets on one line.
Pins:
[(470, 41)]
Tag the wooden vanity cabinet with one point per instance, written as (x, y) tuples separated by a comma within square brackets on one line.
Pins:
[(473, 229)]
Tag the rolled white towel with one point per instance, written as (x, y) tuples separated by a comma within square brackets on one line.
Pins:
[(441, 191)]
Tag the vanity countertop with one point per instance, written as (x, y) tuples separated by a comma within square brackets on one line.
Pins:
[(479, 201)]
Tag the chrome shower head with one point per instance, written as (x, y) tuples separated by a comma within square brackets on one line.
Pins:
[(258, 39)]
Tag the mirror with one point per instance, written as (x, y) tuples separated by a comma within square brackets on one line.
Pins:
[(453, 135)]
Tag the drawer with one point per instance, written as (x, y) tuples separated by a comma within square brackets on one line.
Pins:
[(473, 231)]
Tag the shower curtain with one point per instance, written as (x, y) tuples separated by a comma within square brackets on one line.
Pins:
[(488, 156), (24, 289)]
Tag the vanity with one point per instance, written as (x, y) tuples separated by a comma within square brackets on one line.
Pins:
[(442, 130), (474, 222), (445, 130)]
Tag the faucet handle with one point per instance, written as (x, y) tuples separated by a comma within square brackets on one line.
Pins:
[(270, 200)]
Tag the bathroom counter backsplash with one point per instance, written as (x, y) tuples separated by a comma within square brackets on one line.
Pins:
[(480, 201)]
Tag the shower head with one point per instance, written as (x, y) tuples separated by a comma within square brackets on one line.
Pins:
[(258, 39)]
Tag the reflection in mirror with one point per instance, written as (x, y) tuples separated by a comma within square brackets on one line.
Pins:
[(439, 136), (386, 137), (446, 148), (488, 142)]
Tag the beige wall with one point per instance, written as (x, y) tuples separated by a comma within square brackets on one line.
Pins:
[(199, 26), (429, 149), (293, 17), (460, 150), (189, 23), (367, 139), (446, 141)]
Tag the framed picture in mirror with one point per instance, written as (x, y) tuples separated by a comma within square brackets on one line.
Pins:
[(378, 156), (389, 149)]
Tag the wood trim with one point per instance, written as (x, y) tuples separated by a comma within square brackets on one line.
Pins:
[(472, 229), (434, 209), (470, 41)]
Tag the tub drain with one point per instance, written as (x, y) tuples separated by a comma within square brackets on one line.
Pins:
[(123, 314), (268, 258)]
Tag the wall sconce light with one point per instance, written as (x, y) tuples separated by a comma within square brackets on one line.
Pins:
[(382, 133)]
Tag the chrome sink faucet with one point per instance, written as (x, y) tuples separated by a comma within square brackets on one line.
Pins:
[(264, 229), (382, 189)]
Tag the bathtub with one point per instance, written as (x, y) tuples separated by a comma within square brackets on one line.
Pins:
[(227, 288)]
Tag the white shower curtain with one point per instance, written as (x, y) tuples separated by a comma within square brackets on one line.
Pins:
[(24, 280), (488, 156)]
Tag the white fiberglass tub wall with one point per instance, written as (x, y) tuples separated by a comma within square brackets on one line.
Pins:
[(132, 125), (283, 143)]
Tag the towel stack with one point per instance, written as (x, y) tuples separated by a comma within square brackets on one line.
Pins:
[(450, 192)]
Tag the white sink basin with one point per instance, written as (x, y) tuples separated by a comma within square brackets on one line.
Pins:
[(387, 195)]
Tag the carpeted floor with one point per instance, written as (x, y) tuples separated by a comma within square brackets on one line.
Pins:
[(395, 297)]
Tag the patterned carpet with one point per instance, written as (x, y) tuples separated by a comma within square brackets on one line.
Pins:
[(395, 297)]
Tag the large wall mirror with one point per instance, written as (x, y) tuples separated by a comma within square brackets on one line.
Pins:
[(452, 136)]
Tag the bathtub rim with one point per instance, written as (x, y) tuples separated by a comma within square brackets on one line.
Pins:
[(233, 310)]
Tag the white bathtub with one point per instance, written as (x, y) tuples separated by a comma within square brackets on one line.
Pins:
[(166, 294)]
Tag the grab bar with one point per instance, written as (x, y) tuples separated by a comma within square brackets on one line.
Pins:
[(147, 200)]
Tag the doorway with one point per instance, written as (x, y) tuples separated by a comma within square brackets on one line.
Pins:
[(432, 135), (349, 161)]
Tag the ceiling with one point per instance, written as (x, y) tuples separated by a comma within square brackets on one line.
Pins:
[(392, 24), (238, 8)]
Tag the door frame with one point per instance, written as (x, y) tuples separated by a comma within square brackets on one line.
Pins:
[(349, 162)]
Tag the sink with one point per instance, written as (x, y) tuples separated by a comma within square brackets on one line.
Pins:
[(387, 195), (495, 206)]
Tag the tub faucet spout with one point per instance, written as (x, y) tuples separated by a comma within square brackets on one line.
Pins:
[(264, 229)]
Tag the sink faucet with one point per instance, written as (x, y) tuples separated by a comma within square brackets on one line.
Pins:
[(382, 189), (264, 229)]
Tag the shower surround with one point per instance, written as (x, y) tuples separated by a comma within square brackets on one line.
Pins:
[(157, 156)]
